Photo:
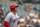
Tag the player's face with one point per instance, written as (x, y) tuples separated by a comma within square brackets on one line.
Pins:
[(16, 9)]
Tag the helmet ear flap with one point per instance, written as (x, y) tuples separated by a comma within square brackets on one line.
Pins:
[(12, 8)]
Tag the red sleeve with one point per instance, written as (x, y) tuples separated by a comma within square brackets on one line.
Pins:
[(6, 24)]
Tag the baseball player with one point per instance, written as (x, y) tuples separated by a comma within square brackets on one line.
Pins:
[(11, 19)]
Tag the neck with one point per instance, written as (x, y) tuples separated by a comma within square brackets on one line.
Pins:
[(14, 13)]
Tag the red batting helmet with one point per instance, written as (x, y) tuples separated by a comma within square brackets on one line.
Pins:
[(12, 7)]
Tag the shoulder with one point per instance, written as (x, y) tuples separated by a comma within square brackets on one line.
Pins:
[(9, 14)]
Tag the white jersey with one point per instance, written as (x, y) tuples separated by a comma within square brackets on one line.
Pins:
[(10, 18)]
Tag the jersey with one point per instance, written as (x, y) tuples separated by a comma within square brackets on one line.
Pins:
[(10, 18)]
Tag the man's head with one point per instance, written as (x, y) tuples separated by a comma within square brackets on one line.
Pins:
[(13, 7)]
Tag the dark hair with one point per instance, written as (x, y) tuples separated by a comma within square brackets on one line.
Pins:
[(11, 10)]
